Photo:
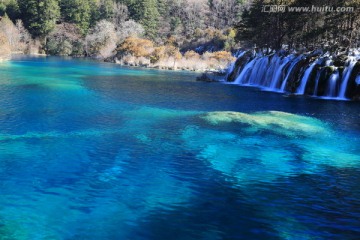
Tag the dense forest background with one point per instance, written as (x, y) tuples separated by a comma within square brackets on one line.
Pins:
[(331, 24), (145, 32)]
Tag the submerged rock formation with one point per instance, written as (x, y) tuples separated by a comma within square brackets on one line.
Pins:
[(315, 74), (273, 121), (211, 76), (275, 144)]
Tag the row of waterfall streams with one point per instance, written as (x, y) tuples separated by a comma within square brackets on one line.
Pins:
[(314, 74)]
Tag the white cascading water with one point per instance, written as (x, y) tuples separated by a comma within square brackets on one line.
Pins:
[(278, 74), (346, 77), (245, 71), (332, 84), (273, 72), (274, 65), (230, 69), (318, 74), (256, 76), (238, 54), (293, 64), (305, 78)]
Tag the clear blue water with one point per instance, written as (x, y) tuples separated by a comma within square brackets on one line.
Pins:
[(96, 151)]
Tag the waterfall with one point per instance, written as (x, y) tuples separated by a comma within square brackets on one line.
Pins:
[(259, 70), (316, 83), (345, 80), (271, 72), (238, 54), (230, 70), (241, 78), (315, 74), (274, 65), (292, 66), (305, 78), (277, 78), (332, 85)]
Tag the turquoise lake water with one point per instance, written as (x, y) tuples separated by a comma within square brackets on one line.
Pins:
[(96, 151)]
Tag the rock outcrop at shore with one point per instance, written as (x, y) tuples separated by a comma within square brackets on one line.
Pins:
[(211, 76)]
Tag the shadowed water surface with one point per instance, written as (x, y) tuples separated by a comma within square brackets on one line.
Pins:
[(97, 151)]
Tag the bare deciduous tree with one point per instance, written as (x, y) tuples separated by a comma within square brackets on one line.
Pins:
[(25, 36), (102, 40), (224, 13), (194, 14), (121, 14), (12, 34), (65, 39), (129, 29)]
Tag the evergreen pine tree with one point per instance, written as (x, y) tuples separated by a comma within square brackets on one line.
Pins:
[(12, 10), (78, 12), (148, 15), (106, 10), (2, 9), (39, 16)]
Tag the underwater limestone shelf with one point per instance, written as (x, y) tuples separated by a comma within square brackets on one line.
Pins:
[(279, 122), (280, 146), (275, 144)]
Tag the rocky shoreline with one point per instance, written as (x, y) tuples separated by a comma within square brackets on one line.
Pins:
[(212, 76)]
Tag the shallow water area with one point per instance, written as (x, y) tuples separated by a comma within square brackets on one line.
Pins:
[(97, 151)]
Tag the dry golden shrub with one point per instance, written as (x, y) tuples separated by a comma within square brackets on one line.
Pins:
[(191, 55), (221, 56), (137, 47), (165, 52)]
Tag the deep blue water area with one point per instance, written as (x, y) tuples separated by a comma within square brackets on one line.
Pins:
[(92, 150)]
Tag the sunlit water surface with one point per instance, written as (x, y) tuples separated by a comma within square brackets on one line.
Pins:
[(96, 151)]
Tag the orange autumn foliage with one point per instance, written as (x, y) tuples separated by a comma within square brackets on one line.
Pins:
[(191, 55), (137, 47), (165, 52), (219, 56)]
